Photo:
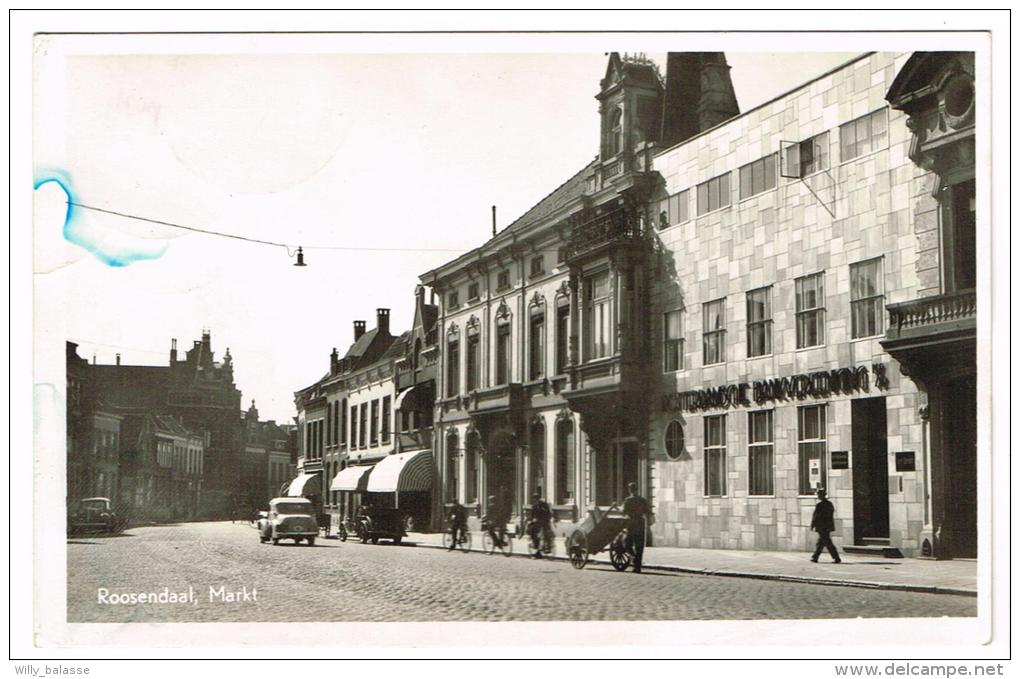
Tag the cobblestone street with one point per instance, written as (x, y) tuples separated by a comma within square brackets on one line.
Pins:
[(348, 581)]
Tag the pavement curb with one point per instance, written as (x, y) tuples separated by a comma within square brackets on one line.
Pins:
[(803, 579)]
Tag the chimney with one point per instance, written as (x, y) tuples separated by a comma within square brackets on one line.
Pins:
[(382, 321), (173, 351), (118, 359), (419, 294), (334, 362), (359, 330), (493, 221)]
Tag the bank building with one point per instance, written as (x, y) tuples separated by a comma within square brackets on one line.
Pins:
[(734, 309)]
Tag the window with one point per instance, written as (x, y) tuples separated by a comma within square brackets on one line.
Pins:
[(453, 300), (714, 194), (385, 429), (450, 464), (615, 141), (758, 176), (536, 461), (472, 292), (867, 310), (561, 255), (362, 424), (473, 363), (597, 308), (674, 210), (537, 266), (452, 368), (564, 461), (536, 342), (811, 448), (354, 426), (759, 322), (959, 239), (673, 340), (503, 354), (814, 154), (761, 468), (343, 422), (674, 440), (562, 338), (471, 469), (503, 279), (810, 293), (329, 426), (864, 135), (715, 455), (714, 331)]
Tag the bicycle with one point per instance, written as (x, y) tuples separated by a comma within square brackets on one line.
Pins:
[(493, 539), (463, 539), (540, 539)]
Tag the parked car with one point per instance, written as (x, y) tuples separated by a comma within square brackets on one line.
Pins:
[(381, 522), (289, 518), (93, 514)]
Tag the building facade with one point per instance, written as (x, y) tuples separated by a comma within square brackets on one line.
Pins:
[(544, 329), (734, 310)]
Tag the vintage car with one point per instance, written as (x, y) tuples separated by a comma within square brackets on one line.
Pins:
[(92, 514), (380, 522), (289, 518)]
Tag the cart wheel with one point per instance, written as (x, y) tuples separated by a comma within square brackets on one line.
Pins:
[(619, 556), (578, 557)]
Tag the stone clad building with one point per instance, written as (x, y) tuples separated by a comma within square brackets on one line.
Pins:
[(785, 233)]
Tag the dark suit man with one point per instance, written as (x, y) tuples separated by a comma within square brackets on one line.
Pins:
[(822, 523), (636, 509)]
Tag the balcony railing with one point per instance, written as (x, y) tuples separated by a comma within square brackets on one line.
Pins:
[(609, 228), (930, 314)]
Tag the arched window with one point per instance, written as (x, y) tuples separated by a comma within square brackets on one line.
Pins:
[(564, 461), (450, 467), (536, 462), (616, 131), (674, 440)]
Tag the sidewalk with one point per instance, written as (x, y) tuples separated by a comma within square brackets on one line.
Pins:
[(912, 575)]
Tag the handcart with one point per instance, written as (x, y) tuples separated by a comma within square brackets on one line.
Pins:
[(600, 529)]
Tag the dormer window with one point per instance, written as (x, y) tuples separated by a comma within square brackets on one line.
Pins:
[(537, 266)]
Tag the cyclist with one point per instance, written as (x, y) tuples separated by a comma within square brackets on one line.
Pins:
[(496, 521), (458, 524), (540, 527)]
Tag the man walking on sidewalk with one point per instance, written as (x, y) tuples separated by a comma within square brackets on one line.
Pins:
[(636, 509), (822, 523)]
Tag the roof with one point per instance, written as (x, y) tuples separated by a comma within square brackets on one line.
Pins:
[(167, 424), (397, 349), (560, 196), (429, 315), (361, 345)]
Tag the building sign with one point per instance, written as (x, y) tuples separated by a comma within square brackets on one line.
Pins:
[(808, 385), (815, 472), (840, 459), (905, 461)]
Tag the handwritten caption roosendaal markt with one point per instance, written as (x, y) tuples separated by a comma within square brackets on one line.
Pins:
[(166, 596)]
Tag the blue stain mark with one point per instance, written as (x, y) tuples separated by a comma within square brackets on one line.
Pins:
[(108, 245)]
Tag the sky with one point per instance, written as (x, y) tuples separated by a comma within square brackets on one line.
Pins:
[(392, 160)]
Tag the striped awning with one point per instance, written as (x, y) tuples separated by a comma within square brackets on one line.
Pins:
[(304, 485), (402, 472), (405, 399), (352, 479)]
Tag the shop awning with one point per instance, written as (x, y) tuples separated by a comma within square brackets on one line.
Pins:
[(411, 471), (405, 399), (304, 485), (352, 479)]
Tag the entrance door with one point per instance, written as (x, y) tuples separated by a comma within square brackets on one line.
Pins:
[(870, 469), (616, 466), (960, 454), (501, 470)]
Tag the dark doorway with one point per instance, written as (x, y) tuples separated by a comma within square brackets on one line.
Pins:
[(870, 469), (960, 456), (616, 466), (501, 469)]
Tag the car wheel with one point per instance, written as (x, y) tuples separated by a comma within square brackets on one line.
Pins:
[(375, 541), (276, 541), (397, 540), (311, 542)]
